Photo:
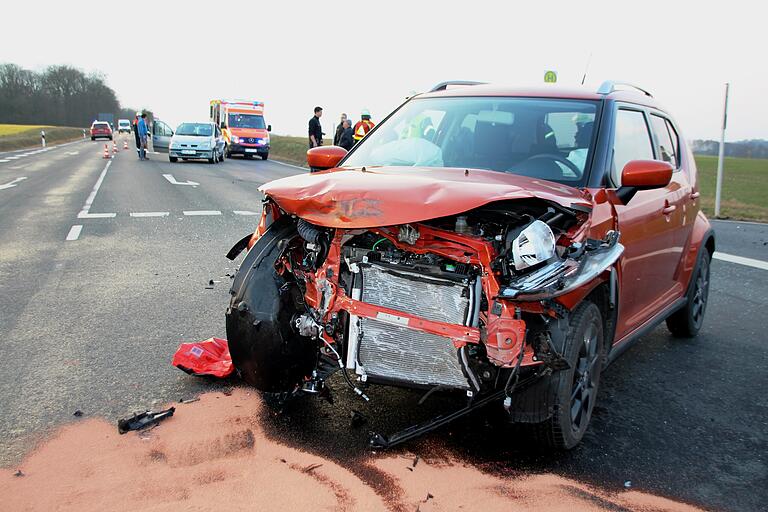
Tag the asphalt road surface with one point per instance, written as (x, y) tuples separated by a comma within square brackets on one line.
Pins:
[(105, 270)]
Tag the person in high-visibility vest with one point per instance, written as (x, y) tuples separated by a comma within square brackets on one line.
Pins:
[(363, 126)]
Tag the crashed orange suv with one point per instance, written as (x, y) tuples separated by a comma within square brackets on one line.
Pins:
[(499, 244)]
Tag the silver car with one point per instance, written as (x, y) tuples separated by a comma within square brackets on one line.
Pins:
[(197, 141)]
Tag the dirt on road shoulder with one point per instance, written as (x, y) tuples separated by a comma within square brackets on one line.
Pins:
[(213, 455)]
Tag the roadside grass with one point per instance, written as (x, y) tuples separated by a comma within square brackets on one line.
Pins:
[(745, 187), (292, 150), (21, 136)]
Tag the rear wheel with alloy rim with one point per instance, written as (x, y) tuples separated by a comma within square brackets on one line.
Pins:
[(576, 388), (686, 322)]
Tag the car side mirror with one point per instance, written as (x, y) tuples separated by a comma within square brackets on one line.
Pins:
[(325, 157), (643, 175), (269, 127)]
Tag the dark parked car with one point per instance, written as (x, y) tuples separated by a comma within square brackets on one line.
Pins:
[(502, 244)]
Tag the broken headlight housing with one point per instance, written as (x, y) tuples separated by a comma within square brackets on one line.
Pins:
[(535, 244)]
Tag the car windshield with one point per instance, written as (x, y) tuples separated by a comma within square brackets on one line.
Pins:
[(245, 121), (544, 138), (195, 129)]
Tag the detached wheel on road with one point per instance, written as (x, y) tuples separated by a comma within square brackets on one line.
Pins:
[(575, 389), (173, 159), (686, 322)]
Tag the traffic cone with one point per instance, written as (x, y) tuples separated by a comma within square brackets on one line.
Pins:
[(114, 147), (106, 151), (125, 144)]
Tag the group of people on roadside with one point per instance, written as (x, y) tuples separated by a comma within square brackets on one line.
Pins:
[(140, 133), (346, 136)]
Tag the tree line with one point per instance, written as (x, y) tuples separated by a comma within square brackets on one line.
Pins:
[(755, 148), (58, 95)]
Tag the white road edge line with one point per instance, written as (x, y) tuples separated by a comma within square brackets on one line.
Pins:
[(149, 214), (741, 260), (244, 212), (85, 212), (193, 213), (290, 165), (4, 160), (74, 232)]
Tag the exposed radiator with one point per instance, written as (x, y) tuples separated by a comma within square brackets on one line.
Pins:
[(396, 352)]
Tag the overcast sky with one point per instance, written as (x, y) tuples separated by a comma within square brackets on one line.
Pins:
[(173, 57)]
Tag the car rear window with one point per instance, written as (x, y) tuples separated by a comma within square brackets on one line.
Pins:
[(100, 125)]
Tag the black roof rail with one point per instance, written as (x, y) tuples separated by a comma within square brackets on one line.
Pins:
[(444, 85), (609, 86)]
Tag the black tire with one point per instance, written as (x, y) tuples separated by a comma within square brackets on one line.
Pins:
[(266, 351), (212, 160), (227, 153), (686, 321), (575, 389), (93, 138), (265, 156), (173, 159)]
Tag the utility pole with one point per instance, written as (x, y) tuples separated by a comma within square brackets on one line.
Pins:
[(719, 189)]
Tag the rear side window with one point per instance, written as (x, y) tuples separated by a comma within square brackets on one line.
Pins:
[(632, 141), (666, 149)]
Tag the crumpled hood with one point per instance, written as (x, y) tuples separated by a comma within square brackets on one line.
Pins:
[(388, 196)]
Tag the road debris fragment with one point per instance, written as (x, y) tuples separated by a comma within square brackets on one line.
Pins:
[(189, 400), (18, 473), (209, 357), (143, 420), (628, 484), (78, 413), (311, 468), (356, 419)]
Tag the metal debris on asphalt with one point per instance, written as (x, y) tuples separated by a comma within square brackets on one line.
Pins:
[(77, 413), (18, 473), (143, 420)]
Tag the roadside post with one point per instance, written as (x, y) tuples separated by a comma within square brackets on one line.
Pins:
[(721, 153), (83, 132), (42, 137)]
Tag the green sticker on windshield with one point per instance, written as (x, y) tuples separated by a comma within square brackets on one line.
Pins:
[(550, 77)]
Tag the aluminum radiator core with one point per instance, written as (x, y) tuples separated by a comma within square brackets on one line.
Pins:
[(398, 353), (422, 295)]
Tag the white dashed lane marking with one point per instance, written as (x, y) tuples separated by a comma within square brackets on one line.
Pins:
[(149, 214), (244, 212), (195, 213), (741, 260), (74, 232)]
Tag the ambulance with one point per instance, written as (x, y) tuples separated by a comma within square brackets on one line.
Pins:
[(242, 124)]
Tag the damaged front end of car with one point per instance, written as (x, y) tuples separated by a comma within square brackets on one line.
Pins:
[(475, 302)]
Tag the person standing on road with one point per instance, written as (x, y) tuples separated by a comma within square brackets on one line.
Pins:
[(346, 139), (136, 134), (339, 130), (363, 126), (315, 130), (143, 136)]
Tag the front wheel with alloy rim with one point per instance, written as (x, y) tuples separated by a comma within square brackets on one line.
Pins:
[(686, 321), (575, 389)]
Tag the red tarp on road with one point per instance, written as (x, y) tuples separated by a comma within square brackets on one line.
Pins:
[(209, 357)]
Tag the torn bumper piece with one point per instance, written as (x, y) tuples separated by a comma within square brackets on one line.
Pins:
[(209, 357), (143, 420)]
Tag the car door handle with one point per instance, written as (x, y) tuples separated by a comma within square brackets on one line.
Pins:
[(668, 208), (695, 195)]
